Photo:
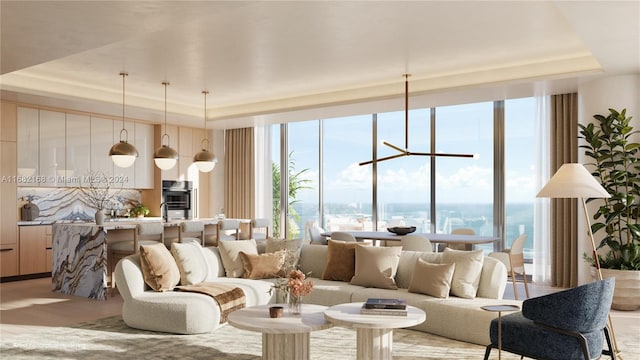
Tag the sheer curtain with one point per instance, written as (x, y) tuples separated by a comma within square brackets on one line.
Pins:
[(541, 217), (263, 172)]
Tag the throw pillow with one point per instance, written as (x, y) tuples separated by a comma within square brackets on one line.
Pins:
[(376, 266), (263, 266), (341, 260), (191, 262), (292, 251), (466, 275), (230, 254), (431, 279), (159, 269)]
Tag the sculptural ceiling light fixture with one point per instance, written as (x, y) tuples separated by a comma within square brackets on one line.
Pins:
[(405, 151), (122, 153), (165, 157), (205, 160)]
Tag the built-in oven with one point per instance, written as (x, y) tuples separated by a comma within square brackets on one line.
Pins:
[(177, 200)]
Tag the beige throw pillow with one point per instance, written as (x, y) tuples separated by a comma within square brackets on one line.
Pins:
[(159, 269), (466, 275), (431, 279), (292, 251), (230, 254), (341, 260), (376, 266), (191, 262), (263, 266)]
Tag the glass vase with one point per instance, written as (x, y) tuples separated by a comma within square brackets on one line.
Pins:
[(294, 304)]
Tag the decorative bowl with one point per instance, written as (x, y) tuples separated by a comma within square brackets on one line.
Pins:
[(402, 230)]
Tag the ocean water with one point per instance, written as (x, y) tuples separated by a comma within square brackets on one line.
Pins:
[(479, 217)]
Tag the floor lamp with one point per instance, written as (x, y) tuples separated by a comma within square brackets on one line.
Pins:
[(575, 181)]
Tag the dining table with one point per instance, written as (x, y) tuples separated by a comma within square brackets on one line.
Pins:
[(469, 241)]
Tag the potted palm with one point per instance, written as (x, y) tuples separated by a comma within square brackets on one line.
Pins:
[(615, 158)]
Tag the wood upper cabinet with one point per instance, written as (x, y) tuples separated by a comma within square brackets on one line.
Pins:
[(28, 144), (52, 160), (35, 249), (8, 123), (78, 148)]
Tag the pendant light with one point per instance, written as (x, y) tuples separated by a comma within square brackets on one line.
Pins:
[(405, 151), (204, 160), (165, 157), (123, 154)]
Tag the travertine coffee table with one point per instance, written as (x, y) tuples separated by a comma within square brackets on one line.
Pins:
[(374, 332), (286, 337)]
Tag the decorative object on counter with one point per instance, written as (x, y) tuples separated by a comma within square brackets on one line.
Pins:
[(205, 160), (276, 311), (123, 154), (165, 156), (294, 287), (99, 192), (402, 230), (139, 211), (29, 211)]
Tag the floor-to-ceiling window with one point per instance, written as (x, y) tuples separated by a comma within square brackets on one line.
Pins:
[(519, 171), (347, 187), (464, 186), (403, 184)]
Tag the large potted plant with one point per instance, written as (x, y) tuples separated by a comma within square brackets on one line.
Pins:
[(615, 158)]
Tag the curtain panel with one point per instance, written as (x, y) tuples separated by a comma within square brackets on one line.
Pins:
[(239, 170), (564, 212)]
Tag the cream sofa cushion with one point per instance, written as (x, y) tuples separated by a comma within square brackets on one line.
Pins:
[(191, 262), (432, 279), (466, 275), (376, 266), (230, 254)]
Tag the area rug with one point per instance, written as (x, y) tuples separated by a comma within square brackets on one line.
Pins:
[(110, 338)]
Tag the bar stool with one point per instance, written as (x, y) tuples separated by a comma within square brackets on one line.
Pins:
[(228, 225), (259, 224), (145, 233), (192, 231)]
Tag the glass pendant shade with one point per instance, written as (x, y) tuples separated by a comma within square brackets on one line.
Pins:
[(123, 154), (205, 161), (165, 157)]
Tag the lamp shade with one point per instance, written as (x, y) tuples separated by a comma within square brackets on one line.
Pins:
[(573, 181), (165, 157), (205, 161), (123, 154)]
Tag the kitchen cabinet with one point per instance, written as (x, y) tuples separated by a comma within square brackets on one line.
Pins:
[(78, 149), (8, 123), (8, 260), (144, 165), (8, 206), (101, 141), (52, 146), (28, 144), (35, 249)]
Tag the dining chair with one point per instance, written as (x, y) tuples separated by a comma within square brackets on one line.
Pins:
[(416, 243), (145, 233), (343, 236), (460, 231), (513, 259), (312, 233)]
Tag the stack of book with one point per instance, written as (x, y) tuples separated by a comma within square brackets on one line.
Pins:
[(376, 306)]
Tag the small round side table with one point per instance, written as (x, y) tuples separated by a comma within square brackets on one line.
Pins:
[(499, 309)]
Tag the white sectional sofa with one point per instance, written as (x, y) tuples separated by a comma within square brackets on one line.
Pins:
[(190, 313)]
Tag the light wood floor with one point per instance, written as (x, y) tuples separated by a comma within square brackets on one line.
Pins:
[(30, 305)]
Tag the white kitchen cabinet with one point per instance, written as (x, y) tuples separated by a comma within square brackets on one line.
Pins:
[(143, 167), (52, 161), (101, 142), (78, 148), (28, 143), (123, 177)]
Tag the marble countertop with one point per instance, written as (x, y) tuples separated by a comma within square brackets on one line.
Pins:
[(116, 224)]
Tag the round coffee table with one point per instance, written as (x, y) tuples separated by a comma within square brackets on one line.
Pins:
[(374, 333), (286, 337)]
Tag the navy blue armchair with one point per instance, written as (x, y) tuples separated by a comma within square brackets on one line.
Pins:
[(570, 324)]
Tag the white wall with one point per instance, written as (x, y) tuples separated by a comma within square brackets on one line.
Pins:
[(596, 97)]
